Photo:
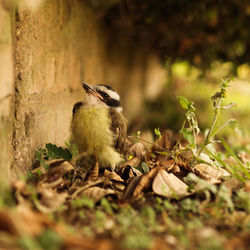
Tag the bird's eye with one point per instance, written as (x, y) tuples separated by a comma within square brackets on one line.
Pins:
[(105, 95)]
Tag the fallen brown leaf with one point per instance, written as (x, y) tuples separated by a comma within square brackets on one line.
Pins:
[(6, 223), (168, 185), (212, 171), (138, 151), (49, 200), (94, 172), (97, 193), (112, 175), (127, 170), (146, 181), (128, 193)]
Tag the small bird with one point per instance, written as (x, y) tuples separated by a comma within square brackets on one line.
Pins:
[(99, 127)]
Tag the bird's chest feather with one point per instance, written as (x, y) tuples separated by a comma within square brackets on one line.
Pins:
[(91, 128)]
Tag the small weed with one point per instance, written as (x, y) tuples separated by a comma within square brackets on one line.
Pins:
[(83, 202), (49, 240)]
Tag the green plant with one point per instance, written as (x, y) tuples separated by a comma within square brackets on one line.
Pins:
[(190, 128), (51, 151)]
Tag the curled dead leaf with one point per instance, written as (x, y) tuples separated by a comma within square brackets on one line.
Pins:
[(127, 170), (55, 162), (134, 162), (168, 185), (112, 175), (137, 150), (20, 190), (55, 183), (118, 185), (168, 165), (131, 187), (97, 193), (146, 181), (53, 177), (31, 222), (94, 172), (6, 223), (49, 200), (211, 170)]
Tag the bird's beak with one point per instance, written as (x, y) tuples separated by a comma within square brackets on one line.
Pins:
[(91, 91)]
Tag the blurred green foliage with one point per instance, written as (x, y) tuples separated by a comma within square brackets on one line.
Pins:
[(199, 85), (197, 31)]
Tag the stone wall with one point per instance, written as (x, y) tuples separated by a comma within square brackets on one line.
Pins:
[(51, 47), (6, 90)]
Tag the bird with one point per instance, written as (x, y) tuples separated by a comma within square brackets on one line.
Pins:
[(99, 127)]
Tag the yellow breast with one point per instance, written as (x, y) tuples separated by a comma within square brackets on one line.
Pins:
[(91, 129)]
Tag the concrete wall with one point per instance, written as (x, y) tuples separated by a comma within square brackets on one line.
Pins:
[(55, 45), (6, 90)]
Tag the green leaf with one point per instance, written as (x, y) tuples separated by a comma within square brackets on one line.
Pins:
[(232, 123), (83, 202), (145, 167), (71, 146), (50, 240), (184, 102), (188, 135), (55, 152), (157, 132)]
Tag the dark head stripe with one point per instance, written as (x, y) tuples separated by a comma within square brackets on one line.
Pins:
[(107, 99), (113, 103), (103, 94)]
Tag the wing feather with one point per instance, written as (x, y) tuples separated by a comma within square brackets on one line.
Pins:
[(119, 128)]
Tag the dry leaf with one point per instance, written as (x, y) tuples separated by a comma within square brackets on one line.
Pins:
[(145, 181), (168, 185), (247, 187), (49, 200), (131, 187), (112, 175), (166, 141), (31, 222), (137, 150), (6, 223), (134, 162), (20, 190), (55, 162), (119, 186), (94, 172), (168, 165), (97, 193), (61, 168), (212, 171), (8, 241), (127, 170), (55, 183)]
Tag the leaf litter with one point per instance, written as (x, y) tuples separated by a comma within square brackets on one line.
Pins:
[(149, 181), (178, 194)]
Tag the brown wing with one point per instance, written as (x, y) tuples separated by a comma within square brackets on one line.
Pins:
[(119, 128)]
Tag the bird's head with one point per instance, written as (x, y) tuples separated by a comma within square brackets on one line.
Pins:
[(102, 95)]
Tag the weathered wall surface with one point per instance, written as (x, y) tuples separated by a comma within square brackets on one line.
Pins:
[(59, 44), (6, 90), (55, 45)]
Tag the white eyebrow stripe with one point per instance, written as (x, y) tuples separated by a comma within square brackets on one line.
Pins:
[(113, 94), (110, 92)]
